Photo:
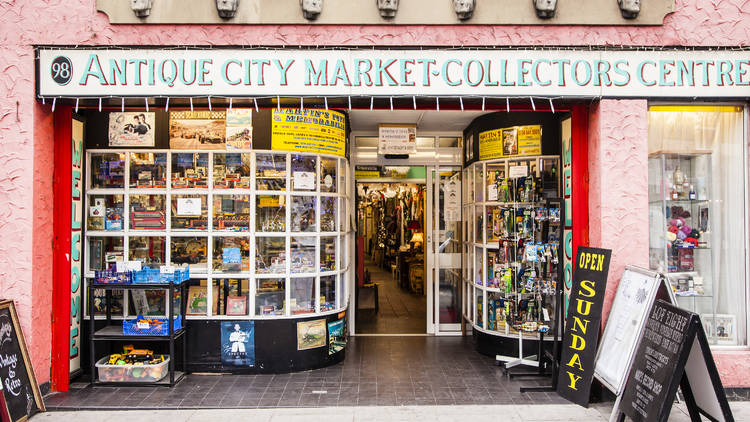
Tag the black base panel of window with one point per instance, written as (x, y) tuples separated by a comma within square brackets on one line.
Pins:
[(275, 347), (493, 345)]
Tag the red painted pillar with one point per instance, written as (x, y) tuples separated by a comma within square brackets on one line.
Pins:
[(60, 376), (580, 176)]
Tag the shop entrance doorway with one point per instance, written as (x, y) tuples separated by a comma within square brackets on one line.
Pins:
[(391, 229)]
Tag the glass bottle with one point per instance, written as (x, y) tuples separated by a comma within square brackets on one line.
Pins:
[(691, 195), (673, 194)]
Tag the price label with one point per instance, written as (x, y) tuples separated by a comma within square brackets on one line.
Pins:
[(142, 325)]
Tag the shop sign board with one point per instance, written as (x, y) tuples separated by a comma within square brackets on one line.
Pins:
[(637, 290), (309, 130), (579, 343), (673, 352), (510, 142), (397, 139), (20, 397), (201, 72), (76, 227)]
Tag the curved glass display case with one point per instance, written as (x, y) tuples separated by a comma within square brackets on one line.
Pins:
[(512, 217), (266, 230)]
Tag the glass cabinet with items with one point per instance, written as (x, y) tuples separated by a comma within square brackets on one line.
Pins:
[(680, 226), (512, 213), (261, 232)]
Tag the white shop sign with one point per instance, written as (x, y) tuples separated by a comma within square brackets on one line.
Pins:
[(289, 72)]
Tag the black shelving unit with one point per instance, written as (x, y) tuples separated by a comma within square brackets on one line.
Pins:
[(112, 331)]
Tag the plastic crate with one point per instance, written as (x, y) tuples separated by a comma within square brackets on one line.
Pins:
[(131, 373), (131, 328), (112, 277), (153, 275)]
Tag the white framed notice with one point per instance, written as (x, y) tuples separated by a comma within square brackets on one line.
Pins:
[(636, 293), (188, 206), (397, 139)]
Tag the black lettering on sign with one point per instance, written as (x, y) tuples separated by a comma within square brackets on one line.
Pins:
[(584, 316), (20, 390)]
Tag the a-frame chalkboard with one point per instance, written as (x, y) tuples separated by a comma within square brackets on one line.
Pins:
[(19, 387), (673, 352)]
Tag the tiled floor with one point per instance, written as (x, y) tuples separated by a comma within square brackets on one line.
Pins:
[(377, 371), (400, 312)]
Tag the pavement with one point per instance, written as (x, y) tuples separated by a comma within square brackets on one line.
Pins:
[(472, 413)]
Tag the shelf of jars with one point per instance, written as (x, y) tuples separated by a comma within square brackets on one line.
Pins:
[(266, 230), (511, 265)]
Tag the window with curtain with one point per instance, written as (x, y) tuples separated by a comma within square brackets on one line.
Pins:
[(697, 210)]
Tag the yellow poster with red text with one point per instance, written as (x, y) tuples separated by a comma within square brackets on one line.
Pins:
[(309, 130)]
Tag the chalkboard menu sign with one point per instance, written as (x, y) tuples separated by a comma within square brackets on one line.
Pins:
[(19, 387), (673, 353)]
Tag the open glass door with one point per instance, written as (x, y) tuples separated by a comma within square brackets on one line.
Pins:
[(446, 249)]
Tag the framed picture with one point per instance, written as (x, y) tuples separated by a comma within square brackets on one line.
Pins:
[(131, 129), (236, 305), (197, 300), (311, 334), (720, 328)]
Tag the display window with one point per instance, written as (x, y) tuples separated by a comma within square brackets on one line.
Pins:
[(231, 170), (234, 294), (189, 212), (303, 213), (148, 170), (302, 295), (107, 171), (105, 212), (149, 250), (270, 296), (303, 254), (190, 252), (254, 248), (328, 208), (231, 254), (327, 293), (231, 212), (270, 173), (147, 212), (304, 169), (512, 268), (328, 175), (104, 251), (270, 213), (697, 213), (189, 170), (270, 255)]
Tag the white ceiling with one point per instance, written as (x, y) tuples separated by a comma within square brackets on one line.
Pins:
[(426, 120)]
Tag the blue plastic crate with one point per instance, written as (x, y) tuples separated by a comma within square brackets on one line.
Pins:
[(130, 327), (112, 277), (152, 275)]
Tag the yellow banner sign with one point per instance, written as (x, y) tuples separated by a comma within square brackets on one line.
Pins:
[(490, 144), (510, 142), (309, 130)]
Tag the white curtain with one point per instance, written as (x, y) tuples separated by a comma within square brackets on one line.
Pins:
[(718, 133)]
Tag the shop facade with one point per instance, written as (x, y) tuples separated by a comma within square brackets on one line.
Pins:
[(630, 161)]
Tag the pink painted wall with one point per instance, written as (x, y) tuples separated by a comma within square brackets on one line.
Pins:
[(618, 185), (25, 127)]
